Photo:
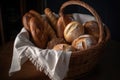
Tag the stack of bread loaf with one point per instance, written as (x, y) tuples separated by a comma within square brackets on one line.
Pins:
[(60, 32)]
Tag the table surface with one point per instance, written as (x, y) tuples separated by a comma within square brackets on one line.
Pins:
[(107, 69)]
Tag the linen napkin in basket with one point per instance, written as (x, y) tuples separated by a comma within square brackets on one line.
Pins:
[(52, 63)]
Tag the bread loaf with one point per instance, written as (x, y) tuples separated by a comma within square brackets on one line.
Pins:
[(39, 37), (61, 24), (84, 42), (73, 30), (47, 28), (91, 27), (52, 18)]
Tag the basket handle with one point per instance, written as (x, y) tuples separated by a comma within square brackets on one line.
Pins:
[(90, 9)]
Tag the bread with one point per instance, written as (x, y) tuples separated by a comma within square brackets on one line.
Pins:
[(84, 42), (73, 30), (39, 38), (25, 20), (54, 42), (63, 47), (61, 24), (60, 28), (47, 28), (52, 18), (40, 31), (91, 27)]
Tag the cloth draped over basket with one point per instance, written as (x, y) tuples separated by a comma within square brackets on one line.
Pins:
[(52, 63)]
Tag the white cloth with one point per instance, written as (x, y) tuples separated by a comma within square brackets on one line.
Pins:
[(53, 63), (82, 18)]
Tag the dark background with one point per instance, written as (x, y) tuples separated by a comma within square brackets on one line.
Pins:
[(11, 14), (108, 67)]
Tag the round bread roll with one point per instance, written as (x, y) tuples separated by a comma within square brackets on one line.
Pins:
[(91, 27), (64, 47), (54, 42), (84, 42), (73, 30)]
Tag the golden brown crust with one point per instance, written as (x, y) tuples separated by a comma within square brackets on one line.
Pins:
[(39, 29), (47, 28), (52, 18), (73, 30), (61, 24), (40, 39), (60, 28), (91, 27)]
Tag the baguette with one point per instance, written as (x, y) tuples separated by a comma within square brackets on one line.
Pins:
[(47, 28), (52, 18), (39, 38)]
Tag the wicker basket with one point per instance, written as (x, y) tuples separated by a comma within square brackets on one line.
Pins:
[(83, 61)]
